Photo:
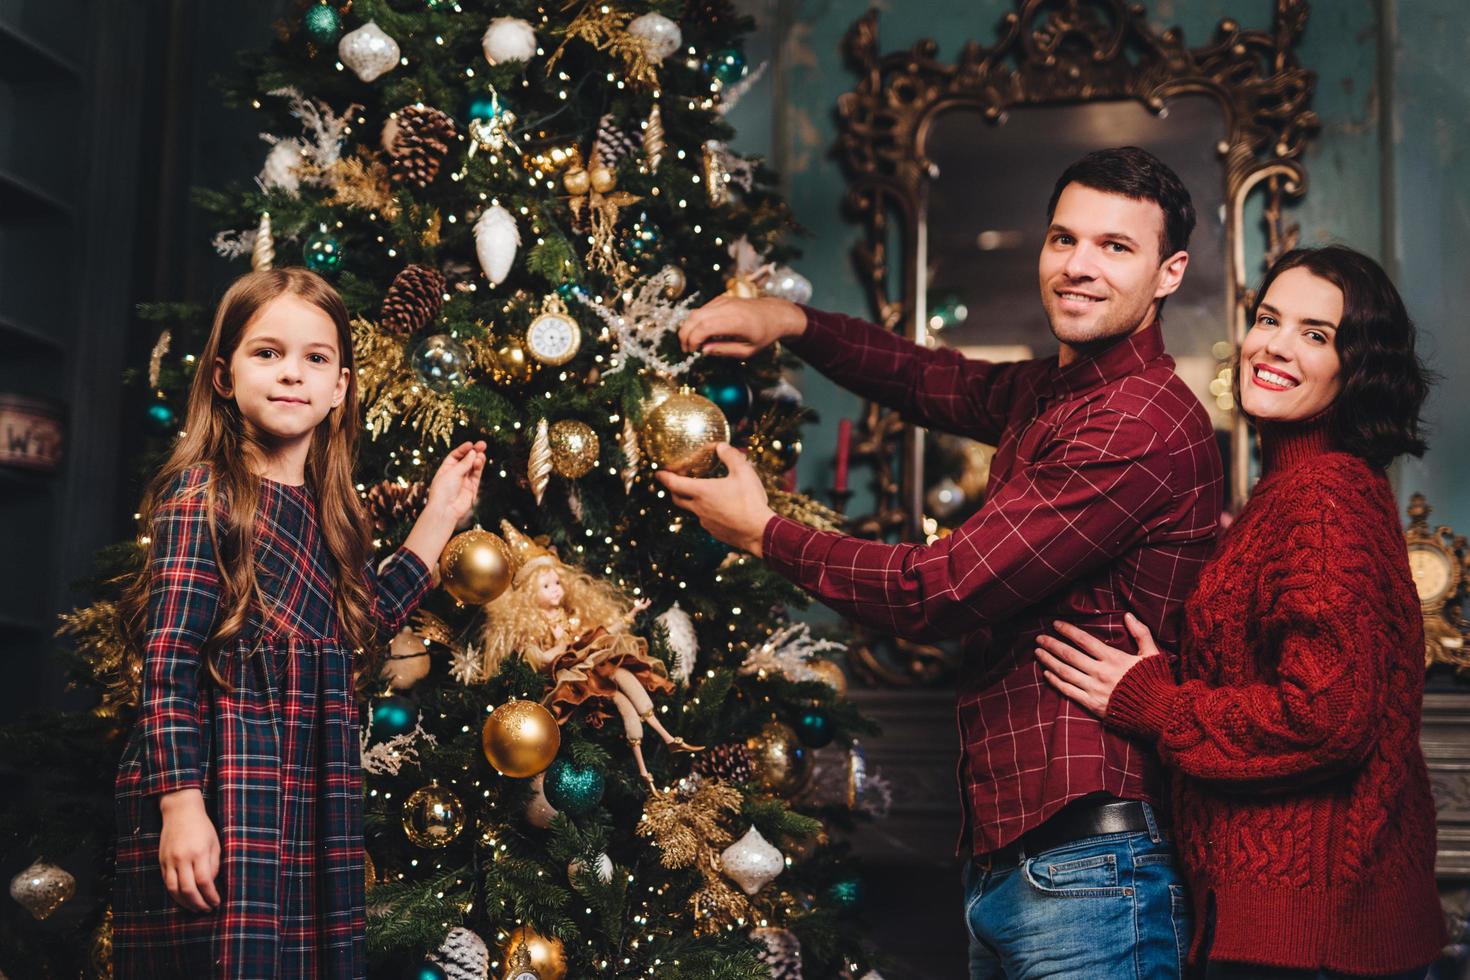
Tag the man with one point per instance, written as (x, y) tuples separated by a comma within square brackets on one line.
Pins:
[(1103, 499)]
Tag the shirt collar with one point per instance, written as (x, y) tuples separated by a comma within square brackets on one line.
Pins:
[(1113, 363)]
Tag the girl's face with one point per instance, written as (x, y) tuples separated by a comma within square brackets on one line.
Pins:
[(1289, 367), (549, 592), (286, 374)]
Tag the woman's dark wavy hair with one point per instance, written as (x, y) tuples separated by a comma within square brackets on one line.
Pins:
[(1376, 415)]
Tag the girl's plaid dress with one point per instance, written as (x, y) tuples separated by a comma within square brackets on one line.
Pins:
[(277, 757)]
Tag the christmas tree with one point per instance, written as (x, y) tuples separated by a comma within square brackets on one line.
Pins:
[(519, 203)]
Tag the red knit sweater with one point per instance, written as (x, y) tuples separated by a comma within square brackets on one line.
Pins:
[(1301, 799)]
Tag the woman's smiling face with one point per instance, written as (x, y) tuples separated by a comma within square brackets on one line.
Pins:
[(1289, 367)]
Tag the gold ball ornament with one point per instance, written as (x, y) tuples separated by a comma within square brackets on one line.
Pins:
[(99, 955), (432, 816), (741, 287), (576, 181), (475, 567), (42, 888), (781, 762), (513, 363), (603, 180), (520, 739), (829, 673), (548, 958), (574, 448), (680, 435), (675, 282)]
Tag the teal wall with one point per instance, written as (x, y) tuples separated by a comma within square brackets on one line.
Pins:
[(1385, 170)]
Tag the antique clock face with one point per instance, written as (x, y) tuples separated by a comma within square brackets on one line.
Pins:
[(1433, 571), (554, 338)]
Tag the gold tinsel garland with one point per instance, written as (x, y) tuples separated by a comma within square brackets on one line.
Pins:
[(390, 391), (97, 630), (361, 181), (691, 833), (605, 27)]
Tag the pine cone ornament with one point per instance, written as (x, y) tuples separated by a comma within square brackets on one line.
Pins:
[(782, 953), (612, 144), (390, 503), (419, 144), (413, 301), (463, 956), (729, 763)]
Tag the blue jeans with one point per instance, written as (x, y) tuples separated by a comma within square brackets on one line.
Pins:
[(1098, 908)]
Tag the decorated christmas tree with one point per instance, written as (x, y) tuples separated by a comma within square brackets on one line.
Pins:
[(519, 204)]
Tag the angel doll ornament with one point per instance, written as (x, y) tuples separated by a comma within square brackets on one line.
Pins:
[(574, 627)]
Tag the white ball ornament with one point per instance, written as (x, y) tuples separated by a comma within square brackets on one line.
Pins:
[(682, 640), (282, 167), (539, 811), (508, 39), (496, 241), (786, 283), (661, 37), (369, 52)]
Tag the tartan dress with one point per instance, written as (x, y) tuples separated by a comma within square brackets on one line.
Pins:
[(277, 757)]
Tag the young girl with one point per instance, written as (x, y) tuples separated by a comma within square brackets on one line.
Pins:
[(239, 797)]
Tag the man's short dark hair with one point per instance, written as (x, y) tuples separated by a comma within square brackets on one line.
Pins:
[(1136, 173)]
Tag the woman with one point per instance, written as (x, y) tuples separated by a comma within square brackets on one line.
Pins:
[(1301, 799)]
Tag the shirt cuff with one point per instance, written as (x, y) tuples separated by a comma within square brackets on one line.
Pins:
[(1143, 701), (818, 337), (404, 578), (782, 542)]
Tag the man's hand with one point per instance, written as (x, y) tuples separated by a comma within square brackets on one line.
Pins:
[(732, 508), (728, 326)]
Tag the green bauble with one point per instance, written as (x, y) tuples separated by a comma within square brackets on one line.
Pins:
[(814, 728), (846, 893), (161, 417), (394, 715), (323, 254), (727, 65), (322, 24), (484, 107), (572, 788), (727, 389)]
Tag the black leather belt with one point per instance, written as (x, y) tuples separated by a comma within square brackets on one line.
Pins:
[(1074, 822)]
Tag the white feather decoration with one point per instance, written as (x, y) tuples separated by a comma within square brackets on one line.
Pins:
[(496, 240), (682, 640), (282, 167)]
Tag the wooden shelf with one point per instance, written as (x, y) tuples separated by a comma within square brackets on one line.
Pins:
[(24, 59), (20, 199)]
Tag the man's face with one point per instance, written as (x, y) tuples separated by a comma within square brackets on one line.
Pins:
[(1100, 269)]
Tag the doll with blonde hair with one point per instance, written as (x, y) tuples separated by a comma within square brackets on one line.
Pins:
[(568, 624)]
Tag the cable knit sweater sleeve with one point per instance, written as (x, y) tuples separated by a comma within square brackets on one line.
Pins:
[(1313, 715)]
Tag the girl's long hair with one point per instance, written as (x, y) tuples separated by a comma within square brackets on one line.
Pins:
[(214, 436), (514, 621)]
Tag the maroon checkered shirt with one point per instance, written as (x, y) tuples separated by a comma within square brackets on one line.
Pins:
[(1104, 497)]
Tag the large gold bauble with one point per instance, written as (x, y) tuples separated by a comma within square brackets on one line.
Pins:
[(548, 957), (603, 179), (781, 762), (513, 362), (574, 448), (681, 434), (520, 739), (829, 673), (432, 816), (576, 181), (659, 390), (475, 567)]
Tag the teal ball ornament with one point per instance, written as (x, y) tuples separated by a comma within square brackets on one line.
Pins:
[(485, 108), (814, 728), (323, 254), (573, 789), (394, 715), (441, 363), (569, 291), (728, 390), (425, 971), (727, 65), (161, 417), (643, 241), (322, 24), (846, 893)]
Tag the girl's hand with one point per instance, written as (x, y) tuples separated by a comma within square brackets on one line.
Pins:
[(1088, 675), (639, 605), (188, 851), (456, 485)]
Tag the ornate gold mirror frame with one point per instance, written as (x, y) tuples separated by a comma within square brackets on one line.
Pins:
[(1052, 52)]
